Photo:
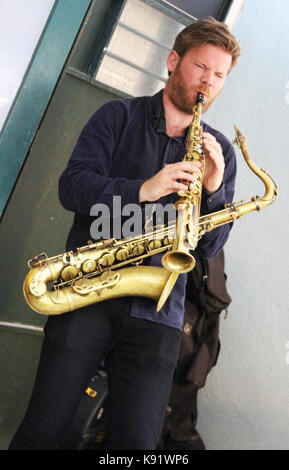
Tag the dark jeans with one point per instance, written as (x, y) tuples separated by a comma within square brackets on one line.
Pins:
[(140, 359)]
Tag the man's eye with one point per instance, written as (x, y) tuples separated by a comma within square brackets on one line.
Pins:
[(201, 66)]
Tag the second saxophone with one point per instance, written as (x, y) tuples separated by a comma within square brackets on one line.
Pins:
[(179, 259)]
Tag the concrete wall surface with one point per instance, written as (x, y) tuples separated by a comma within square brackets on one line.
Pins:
[(245, 403)]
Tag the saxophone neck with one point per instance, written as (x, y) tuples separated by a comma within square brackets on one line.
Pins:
[(270, 185)]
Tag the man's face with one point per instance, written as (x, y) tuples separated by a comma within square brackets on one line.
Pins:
[(202, 69)]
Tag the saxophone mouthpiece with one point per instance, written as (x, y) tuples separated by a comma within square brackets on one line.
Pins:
[(239, 138), (200, 98), (241, 142)]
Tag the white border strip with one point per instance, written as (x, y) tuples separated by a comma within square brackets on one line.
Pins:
[(21, 326), (234, 13)]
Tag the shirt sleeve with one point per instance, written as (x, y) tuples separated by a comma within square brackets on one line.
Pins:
[(212, 242), (87, 178)]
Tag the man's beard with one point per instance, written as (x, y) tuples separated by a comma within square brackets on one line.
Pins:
[(183, 98)]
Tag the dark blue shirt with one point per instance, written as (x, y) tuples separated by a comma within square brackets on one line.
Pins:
[(122, 145)]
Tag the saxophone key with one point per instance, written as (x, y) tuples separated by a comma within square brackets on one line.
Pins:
[(154, 244), (168, 240), (122, 254), (69, 272), (107, 259), (88, 266), (138, 249)]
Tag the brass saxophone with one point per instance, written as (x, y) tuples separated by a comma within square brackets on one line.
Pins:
[(92, 274), (179, 259)]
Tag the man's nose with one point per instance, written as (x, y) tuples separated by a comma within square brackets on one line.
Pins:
[(208, 78)]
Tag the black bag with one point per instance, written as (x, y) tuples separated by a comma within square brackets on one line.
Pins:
[(206, 284), (206, 297), (88, 427)]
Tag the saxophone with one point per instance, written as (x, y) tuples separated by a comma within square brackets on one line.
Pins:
[(179, 259), (111, 268)]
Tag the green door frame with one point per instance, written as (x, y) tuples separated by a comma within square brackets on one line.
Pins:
[(36, 90)]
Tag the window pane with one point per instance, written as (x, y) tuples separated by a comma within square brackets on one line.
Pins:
[(135, 58)]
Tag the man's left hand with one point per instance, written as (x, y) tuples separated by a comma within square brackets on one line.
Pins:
[(215, 165)]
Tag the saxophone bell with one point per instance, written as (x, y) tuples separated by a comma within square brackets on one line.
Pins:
[(179, 259)]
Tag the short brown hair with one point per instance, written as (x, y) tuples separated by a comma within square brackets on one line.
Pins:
[(207, 31)]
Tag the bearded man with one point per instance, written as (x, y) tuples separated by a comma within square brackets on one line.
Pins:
[(134, 148)]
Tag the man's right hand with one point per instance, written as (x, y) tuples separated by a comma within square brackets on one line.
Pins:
[(168, 180)]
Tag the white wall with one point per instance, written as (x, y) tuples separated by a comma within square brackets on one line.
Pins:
[(19, 34), (245, 404)]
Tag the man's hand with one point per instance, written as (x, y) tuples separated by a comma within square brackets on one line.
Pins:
[(215, 165), (166, 180)]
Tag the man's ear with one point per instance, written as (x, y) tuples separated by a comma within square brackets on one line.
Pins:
[(172, 60)]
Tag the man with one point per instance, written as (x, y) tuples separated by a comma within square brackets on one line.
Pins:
[(133, 148)]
